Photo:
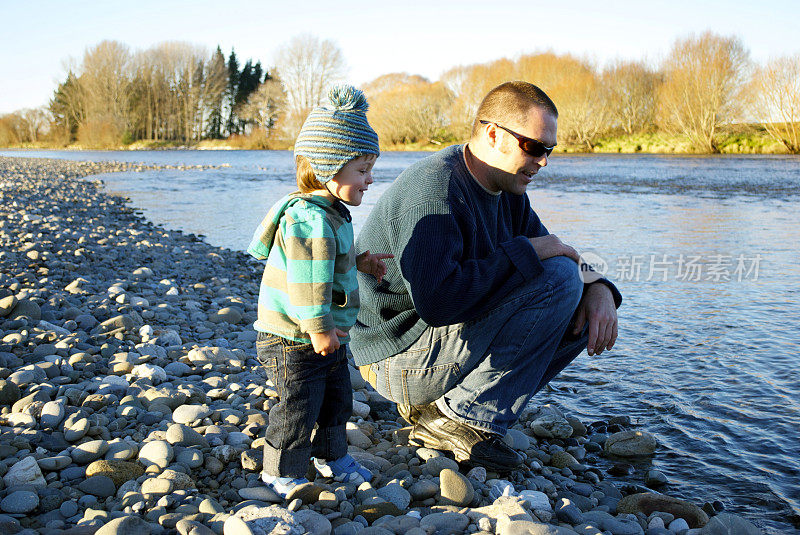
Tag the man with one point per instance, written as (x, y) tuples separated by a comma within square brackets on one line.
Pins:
[(481, 306)]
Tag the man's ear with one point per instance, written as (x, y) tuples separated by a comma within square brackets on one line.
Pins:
[(491, 133)]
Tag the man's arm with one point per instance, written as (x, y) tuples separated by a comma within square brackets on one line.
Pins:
[(445, 288), (600, 298)]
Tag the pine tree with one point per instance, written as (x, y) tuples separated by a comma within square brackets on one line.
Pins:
[(67, 107), (233, 86), (216, 84)]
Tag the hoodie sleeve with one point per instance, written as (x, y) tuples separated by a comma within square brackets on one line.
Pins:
[(310, 247), (260, 244)]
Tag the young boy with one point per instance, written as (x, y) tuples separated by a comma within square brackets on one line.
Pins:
[(308, 298)]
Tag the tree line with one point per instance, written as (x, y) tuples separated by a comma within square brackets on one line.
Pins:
[(177, 93)]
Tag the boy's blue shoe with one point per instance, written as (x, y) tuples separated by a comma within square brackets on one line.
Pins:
[(284, 486), (344, 469)]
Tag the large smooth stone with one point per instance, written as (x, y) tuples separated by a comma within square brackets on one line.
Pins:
[(89, 451), (100, 486), (186, 414), (26, 308), (52, 413), (631, 444), (395, 494), (118, 471), (183, 435), (157, 452), (21, 501), (263, 494), (456, 489), (52, 464)]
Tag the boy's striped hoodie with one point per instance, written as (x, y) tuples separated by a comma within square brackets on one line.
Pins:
[(309, 283)]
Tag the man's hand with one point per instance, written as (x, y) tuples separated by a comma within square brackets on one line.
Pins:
[(327, 342), (597, 307), (550, 246), (372, 264)]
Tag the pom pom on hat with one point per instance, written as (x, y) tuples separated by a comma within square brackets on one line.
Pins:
[(347, 97), (334, 134)]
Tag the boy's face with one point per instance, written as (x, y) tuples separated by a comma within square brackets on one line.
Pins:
[(353, 179)]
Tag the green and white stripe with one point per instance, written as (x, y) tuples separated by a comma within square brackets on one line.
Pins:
[(309, 283)]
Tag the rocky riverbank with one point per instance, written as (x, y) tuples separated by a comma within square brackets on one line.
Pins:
[(131, 402)]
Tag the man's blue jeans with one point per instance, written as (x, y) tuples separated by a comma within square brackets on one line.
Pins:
[(483, 372)]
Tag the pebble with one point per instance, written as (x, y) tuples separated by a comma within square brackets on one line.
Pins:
[(261, 493), (21, 501), (536, 500), (655, 478), (422, 489), (186, 414), (100, 486), (551, 426), (9, 393), (517, 439), (118, 471), (444, 522), (678, 525), (456, 489), (51, 464), (182, 435), (631, 443), (25, 472), (394, 493), (157, 453), (89, 451), (435, 465)]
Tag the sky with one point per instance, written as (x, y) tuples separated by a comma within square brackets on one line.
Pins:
[(376, 37)]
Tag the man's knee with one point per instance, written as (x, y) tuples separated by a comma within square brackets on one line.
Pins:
[(563, 277)]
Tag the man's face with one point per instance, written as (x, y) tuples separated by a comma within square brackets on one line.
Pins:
[(514, 167)]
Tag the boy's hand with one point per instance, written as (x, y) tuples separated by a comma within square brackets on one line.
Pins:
[(372, 264), (327, 342)]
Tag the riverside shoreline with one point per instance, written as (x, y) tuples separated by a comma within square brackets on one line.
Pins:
[(130, 399)]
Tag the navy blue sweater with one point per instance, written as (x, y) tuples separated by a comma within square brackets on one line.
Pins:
[(459, 250)]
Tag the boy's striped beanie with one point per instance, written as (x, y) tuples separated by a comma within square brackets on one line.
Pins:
[(335, 134)]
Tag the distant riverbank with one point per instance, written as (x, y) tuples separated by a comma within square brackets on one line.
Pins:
[(748, 141)]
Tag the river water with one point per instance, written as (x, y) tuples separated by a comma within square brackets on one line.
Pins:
[(704, 251)]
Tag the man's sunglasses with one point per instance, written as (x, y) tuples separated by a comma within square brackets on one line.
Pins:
[(534, 147)]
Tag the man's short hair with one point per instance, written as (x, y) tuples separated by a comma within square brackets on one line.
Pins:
[(510, 102)]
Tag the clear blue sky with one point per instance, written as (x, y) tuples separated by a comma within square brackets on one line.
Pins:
[(376, 37)]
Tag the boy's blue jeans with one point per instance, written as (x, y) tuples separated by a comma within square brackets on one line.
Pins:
[(313, 390), (483, 372)]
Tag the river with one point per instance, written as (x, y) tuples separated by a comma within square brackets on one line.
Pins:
[(704, 250)]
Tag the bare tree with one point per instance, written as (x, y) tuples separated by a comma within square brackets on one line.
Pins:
[(468, 85), (265, 105), (307, 66), (105, 79), (703, 81), (388, 82), (631, 88), (584, 110), (411, 113), (776, 100), (36, 121)]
